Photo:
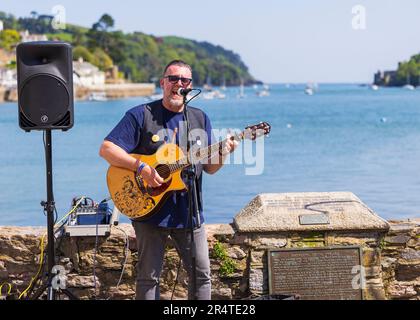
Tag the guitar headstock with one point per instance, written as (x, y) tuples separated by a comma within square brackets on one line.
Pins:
[(257, 130)]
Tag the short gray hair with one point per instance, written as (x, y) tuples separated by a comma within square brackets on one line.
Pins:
[(180, 63)]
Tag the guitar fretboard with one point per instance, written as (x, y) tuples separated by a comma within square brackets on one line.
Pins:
[(202, 154)]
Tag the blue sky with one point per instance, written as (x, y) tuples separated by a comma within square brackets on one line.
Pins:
[(280, 41)]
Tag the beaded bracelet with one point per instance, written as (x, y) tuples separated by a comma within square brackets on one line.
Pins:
[(140, 168)]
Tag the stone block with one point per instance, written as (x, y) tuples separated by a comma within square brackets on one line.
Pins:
[(371, 257), (236, 253), (374, 294), (401, 239), (275, 212), (407, 270), (401, 290), (221, 294)]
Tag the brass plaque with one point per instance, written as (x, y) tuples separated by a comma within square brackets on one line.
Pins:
[(328, 273)]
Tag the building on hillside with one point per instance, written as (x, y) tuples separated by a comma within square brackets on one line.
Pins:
[(385, 78), (86, 74), (8, 77), (27, 37), (1, 25)]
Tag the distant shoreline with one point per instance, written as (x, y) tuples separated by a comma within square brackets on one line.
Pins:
[(82, 93)]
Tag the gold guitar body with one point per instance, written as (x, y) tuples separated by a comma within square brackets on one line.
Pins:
[(132, 196)]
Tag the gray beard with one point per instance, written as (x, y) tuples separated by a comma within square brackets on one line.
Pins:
[(176, 103)]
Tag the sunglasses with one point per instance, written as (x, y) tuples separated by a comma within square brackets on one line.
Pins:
[(175, 79)]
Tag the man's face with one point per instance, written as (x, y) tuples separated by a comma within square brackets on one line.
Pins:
[(170, 96)]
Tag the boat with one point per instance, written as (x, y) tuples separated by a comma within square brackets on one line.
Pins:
[(263, 93), (223, 86), (213, 94), (154, 97), (241, 93), (374, 87), (408, 87), (97, 96), (310, 89), (207, 95), (219, 95)]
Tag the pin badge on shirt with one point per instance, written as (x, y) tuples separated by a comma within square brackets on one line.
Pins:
[(155, 138), (198, 142)]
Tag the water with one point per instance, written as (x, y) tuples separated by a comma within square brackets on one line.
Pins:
[(343, 138)]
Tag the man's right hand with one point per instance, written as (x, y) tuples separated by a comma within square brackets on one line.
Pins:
[(151, 176)]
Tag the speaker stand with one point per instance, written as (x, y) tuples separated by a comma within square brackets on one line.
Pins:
[(52, 285)]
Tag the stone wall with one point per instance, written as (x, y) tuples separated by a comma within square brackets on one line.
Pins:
[(238, 261), (401, 260)]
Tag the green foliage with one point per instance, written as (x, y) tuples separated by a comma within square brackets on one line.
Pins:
[(84, 53), (11, 64), (9, 38), (140, 57), (227, 265), (102, 60), (408, 72), (9, 21), (105, 23), (219, 252), (227, 268), (66, 37)]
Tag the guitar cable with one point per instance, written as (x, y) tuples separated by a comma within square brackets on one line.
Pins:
[(43, 254)]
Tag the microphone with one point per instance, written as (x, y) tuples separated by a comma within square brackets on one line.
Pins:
[(184, 91)]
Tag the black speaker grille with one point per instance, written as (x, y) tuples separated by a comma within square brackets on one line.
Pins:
[(66, 121), (44, 100), (25, 123)]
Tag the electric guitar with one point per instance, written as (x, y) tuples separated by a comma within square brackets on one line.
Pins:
[(135, 199)]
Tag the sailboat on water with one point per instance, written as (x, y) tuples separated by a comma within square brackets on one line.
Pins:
[(241, 94), (408, 86), (223, 84)]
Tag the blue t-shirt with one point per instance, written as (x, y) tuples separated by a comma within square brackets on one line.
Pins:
[(126, 134)]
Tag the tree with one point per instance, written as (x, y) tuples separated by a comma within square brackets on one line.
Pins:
[(102, 60), (82, 52), (9, 38), (105, 23)]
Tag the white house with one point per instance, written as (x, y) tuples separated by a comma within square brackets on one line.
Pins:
[(1, 25), (86, 74), (26, 37), (8, 77)]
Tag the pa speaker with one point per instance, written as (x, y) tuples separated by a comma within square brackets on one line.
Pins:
[(45, 85)]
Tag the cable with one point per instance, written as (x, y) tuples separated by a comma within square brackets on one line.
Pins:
[(41, 261), (126, 249), (8, 291), (96, 244), (193, 97), (94, 255), (177, 274)]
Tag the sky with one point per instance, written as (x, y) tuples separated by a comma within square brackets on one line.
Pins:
[(280, 41)]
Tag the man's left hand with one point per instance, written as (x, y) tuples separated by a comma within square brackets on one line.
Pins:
[(229, 146)]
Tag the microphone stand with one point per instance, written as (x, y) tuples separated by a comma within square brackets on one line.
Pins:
[(193, 210)]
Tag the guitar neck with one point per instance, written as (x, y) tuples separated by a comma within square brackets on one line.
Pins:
[(202, 154)]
